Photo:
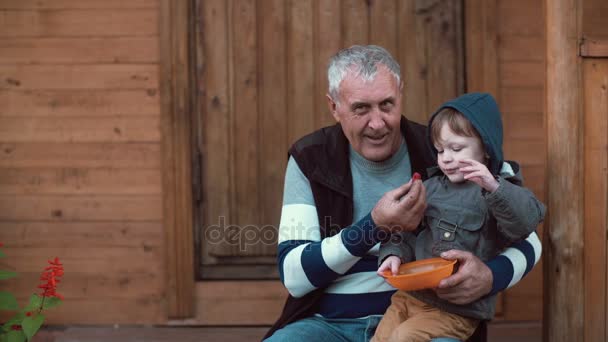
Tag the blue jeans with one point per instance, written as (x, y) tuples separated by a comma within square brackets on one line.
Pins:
[(315, 328)]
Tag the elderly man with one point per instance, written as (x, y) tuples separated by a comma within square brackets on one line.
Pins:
[(347, 187)]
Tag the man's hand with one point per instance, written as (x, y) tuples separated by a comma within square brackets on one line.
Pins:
[(401, 209), (472, 281)]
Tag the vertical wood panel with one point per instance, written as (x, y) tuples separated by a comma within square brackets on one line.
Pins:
[(328, 41), (245, 137), (301, 73), (481, 46), (383, 25), (445, 61), (355, 22), (564, 278), (596, 191), (412, 58), (216, 117), (176, 155), (273, 128)]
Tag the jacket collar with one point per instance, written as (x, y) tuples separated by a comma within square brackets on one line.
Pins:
[(333, 168)]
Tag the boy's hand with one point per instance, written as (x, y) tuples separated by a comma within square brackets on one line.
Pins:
[(392, 263), (478, 173)]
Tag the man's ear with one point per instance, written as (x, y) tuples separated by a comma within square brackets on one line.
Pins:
[(332, 107)]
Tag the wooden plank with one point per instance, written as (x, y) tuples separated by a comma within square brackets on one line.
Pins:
[(445, 51), (82, 155), (592, 47), (76, 129), (78, 77), (383, 25), (73, 102), (522, 100), (245, 124), (515, 48), (522, 74), (564, 267), (79, 22), (596, 192), (301, 73), (529, 152), (594, 18), (104, 311), (85, 259), (524, 301), (355, 22), (481, 45), (177, 104), (79, 50), (80, 208), (273, 106), (76, 4), (527, 126), (83, 285), (328, 42), (77, 181), (258, 302), (413, 61), (28, 235), (215, 123), (520, 17)]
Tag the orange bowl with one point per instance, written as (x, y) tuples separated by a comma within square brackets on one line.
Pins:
[(420, 274)]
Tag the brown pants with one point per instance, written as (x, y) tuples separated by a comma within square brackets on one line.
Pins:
[(408, 319)]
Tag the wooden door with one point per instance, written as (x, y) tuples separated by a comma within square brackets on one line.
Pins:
[(262, 85)]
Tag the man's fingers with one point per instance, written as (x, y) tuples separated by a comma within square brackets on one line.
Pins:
[(412, 195), (401, 191)]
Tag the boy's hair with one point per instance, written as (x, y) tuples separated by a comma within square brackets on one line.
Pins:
[(457, 122)]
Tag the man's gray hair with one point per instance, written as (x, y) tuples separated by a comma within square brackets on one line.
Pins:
[(363, 61)]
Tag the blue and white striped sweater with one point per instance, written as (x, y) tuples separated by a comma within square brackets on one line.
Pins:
[(345, 264)]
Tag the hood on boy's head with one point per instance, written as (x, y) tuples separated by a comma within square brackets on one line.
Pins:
[(482, 111)]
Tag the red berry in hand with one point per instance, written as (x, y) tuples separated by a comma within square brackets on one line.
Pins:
[(416, 176)]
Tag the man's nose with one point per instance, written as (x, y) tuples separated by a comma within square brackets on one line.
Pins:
[(376, 121)]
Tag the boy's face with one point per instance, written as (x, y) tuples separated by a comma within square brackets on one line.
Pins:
[(452, 148)]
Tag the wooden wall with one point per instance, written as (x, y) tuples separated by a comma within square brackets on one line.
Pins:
[(80, 146), (521, 44), (80, 155)]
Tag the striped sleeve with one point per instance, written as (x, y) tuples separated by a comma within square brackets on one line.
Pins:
[(514, 263), (305, 261)]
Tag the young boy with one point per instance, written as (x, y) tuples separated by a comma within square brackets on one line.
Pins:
[(475, 202)]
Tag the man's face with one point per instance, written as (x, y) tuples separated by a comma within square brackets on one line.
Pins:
[(370, 114)]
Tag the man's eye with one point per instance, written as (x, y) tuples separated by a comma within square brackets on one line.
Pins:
[(360, 109), (386, 105)]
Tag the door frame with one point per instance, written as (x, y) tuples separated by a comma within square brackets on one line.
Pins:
[(177, 46)]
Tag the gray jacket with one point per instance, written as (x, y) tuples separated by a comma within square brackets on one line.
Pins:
[(464, 216)]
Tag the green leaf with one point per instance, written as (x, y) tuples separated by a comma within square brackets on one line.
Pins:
[(8, 301), (31, 325), (7, 275), (15, 336), (34, 304), (14, 320), (51, 302), (2, 255)]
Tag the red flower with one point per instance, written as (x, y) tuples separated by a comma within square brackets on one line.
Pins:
[(51, 276), (16, 327)]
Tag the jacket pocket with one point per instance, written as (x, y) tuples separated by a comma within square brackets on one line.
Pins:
[(455, 227)]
